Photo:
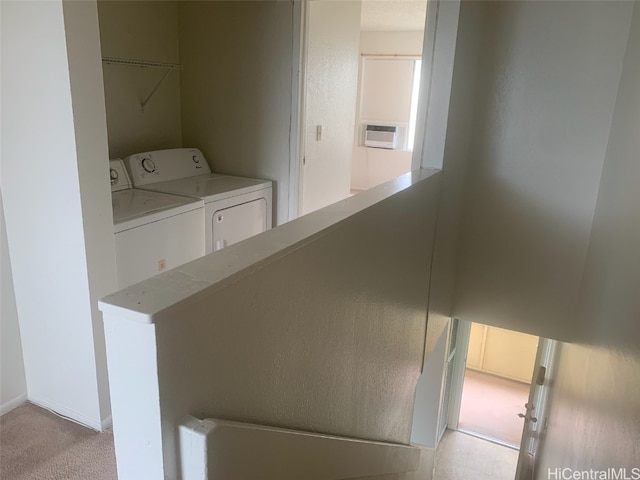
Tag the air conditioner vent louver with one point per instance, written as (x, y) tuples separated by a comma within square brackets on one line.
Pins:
[(380, 136)]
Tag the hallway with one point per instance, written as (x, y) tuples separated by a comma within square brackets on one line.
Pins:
[(464, 457)]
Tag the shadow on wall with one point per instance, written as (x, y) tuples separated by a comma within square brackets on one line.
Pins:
[(529, 236), (542, 125), (595, 419)]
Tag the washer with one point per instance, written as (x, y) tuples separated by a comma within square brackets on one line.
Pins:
[(235, 207), (153, 231)]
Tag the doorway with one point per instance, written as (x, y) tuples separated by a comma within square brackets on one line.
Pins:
[(341, 40), (497, 380), (505, 376)]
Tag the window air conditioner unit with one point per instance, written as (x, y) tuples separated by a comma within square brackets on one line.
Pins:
[(380, 136)]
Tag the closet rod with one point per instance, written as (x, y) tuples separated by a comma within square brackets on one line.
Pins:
[(140, 63), (392, 55)]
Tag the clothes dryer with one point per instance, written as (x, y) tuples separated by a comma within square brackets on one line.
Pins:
[(236, 208)]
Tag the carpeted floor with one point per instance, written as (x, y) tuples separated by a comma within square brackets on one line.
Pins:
[(37, 445), (490, 406)]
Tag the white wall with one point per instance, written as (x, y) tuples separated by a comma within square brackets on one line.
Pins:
[(429, 392), (541, 131), (594, 418), (501, 352), (59, 225), (455, 149), (236, 88), (453, 89), (391, 43), (370, 167), (83, 51), (333, 38), (373, 166), (317, 325), (145, 31), (13, 389)]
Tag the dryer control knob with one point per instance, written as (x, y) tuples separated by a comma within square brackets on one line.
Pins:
[(148, 165), (195, 159), (114, 176)]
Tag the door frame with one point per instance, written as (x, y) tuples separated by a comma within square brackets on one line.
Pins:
[(539, 399), (438, 54), (297, 120), (457, 380), (545, 356)]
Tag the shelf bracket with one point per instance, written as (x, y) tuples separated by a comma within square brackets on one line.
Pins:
[(144, 64), (146, 100)]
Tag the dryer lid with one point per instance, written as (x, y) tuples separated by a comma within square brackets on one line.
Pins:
[(211, 187)]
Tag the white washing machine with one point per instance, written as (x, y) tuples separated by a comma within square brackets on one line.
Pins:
[(153, 231), (235, 207)]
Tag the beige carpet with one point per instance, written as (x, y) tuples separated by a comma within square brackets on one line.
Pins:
[(38, 445), (490, 406)]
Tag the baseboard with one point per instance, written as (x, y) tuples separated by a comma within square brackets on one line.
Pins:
[(214, 448), (6, 407), (66, 412), (107, 423), (427, 463)]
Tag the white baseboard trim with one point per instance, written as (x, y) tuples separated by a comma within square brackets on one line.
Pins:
[(107, 423), (427, 462), (6, 407), (68, 413), (213, 448)]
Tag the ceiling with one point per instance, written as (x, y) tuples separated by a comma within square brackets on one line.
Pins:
[(393, 15)]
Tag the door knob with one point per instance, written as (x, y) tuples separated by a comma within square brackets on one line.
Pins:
[(527, 417)]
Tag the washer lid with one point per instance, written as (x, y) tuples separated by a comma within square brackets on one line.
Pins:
[(211, 187), (133, 208)]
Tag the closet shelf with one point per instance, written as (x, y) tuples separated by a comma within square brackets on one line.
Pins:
[(140, 63), (143, 64)]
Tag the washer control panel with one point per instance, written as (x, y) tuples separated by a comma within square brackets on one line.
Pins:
[(148, 165), (163, 165), (118, 176)]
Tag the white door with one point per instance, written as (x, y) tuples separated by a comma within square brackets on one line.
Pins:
[(332, 56), (233, 224), (534, 412)]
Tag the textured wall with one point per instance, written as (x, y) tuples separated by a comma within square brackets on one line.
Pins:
[(236, 88), (323, 332), (429, 395), (331, 81), (145, 31), (391, 43), (541, 129), (595, 414), (459, 129), (63, 257), (457, 154)]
